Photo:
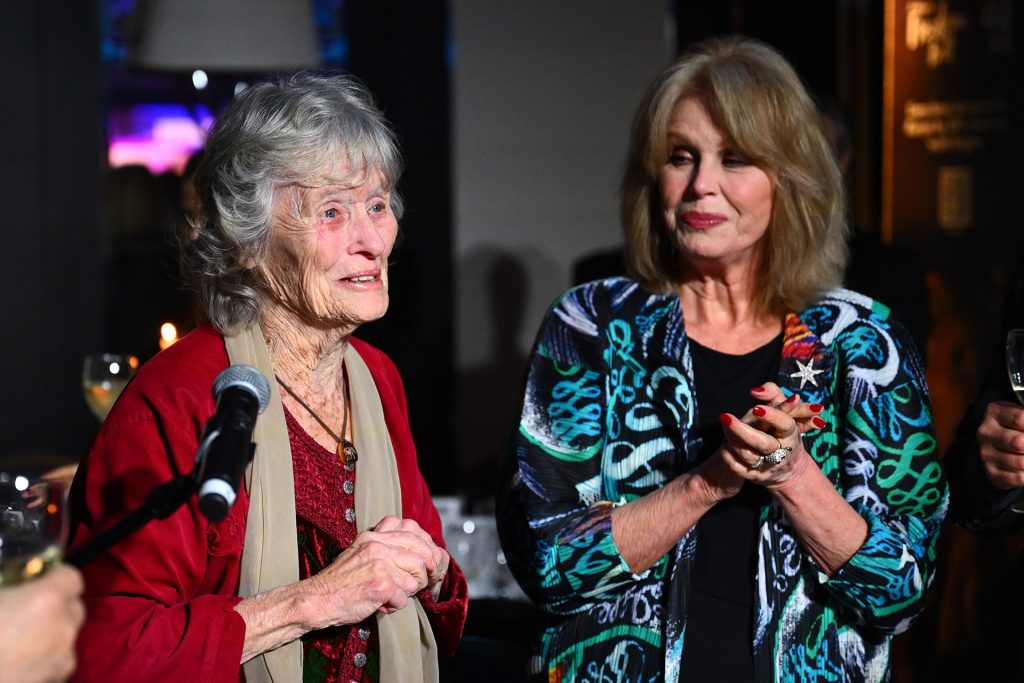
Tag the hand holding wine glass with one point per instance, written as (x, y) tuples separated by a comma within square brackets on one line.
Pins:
[(40, 622), (994, 457), (33, 525), (1015, 361), (40, 602)]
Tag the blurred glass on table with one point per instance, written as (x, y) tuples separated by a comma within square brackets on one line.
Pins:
[(104, 375), (472, 541), (33, 526)]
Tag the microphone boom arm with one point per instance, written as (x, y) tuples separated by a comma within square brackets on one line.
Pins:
[(159, 504), (225, 450)]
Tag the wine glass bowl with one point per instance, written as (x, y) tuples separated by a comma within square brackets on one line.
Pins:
[(104, 375), (33, 526)]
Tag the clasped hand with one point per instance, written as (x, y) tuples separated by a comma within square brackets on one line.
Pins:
[(778, 422), (380, 571)]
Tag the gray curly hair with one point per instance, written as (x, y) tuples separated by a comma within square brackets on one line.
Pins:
[(277, 134)]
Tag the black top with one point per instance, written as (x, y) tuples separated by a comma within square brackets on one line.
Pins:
[(720, 613)]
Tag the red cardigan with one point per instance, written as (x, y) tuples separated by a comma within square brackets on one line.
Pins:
[(160, 603)]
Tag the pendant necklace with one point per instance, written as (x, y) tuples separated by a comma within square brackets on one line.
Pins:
[(346, 450)]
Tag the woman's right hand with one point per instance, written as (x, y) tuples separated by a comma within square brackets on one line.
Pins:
[(437, 562), (381, 570), (1001, 444), (718, 481)]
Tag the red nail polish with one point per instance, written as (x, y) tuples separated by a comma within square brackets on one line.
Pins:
[(818, 422), (816, 407), (758, 390), (760, 411), (725, 419), (792, 398)]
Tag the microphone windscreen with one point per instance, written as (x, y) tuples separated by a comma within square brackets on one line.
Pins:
[(245, 376)]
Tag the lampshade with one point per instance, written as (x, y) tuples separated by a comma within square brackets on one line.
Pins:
[(226, 35)]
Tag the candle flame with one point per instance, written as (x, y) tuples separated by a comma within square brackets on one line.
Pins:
[(168, 335)]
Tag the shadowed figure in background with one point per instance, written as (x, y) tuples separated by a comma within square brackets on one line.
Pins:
[(144, 283), (495, 383), (985, 466), (892, 275), (143, 287)]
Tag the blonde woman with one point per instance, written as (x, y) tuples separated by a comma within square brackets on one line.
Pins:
[(725, 468)]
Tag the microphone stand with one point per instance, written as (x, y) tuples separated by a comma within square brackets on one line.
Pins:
[(159, 504), (232, 422)]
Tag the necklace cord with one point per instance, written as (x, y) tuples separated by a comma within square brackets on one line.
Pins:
[(344, 425), (346, 449)]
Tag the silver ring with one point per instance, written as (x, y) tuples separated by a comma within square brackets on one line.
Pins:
[(776, 457)]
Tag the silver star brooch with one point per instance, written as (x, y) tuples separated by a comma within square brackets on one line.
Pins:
[(806, 373)]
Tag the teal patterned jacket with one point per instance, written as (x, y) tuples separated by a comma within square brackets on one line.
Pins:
[(608, 417)]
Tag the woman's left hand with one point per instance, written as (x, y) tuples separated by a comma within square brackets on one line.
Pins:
[(407, 533), (806, 415), (828, 527)]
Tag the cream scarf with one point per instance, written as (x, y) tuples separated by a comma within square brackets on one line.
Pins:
[(408, 653)]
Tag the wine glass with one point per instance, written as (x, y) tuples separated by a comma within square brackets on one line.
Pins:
[(33, 526), (104, 375)]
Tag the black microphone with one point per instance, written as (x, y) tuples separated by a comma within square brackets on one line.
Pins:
[(241, 393)]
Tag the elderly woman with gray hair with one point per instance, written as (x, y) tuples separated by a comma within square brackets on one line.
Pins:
[(331, 565)]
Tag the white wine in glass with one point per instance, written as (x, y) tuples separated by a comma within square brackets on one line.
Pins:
[(104, 375), (33, 524)]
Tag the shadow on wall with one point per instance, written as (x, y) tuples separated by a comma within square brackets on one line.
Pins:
[(494, 304)]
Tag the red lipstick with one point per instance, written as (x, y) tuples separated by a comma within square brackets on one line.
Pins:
[(703, 221)]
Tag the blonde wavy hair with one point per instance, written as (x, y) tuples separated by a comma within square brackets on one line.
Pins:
[(761, 108)]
